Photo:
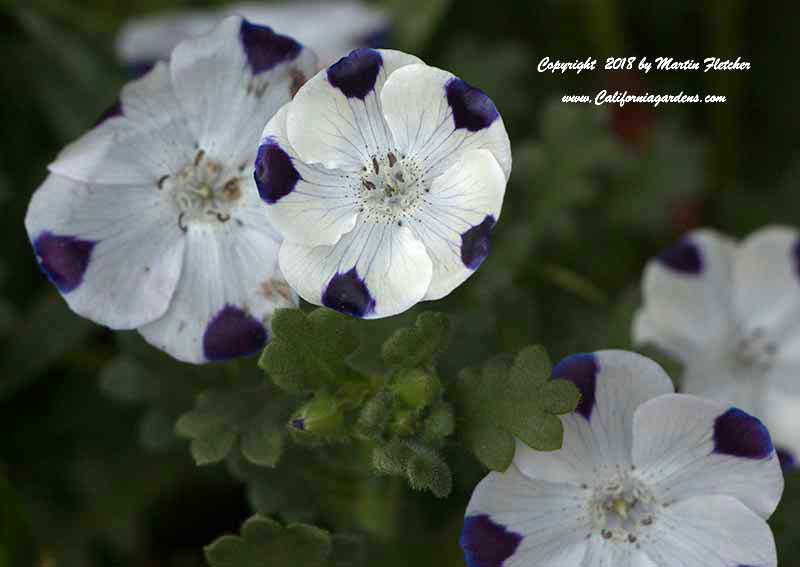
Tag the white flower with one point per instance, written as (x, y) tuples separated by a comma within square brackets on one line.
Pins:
[(730, 312), (151, 220), (331, 29), (385, 177), (645, 478)]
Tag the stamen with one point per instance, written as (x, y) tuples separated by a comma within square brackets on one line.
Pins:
[(375, 166), (199, 157), (392, 159)]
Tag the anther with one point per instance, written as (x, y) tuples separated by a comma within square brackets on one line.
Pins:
[(180, 222), (375, 165), (161, 181), (392, 159), (199, 157)]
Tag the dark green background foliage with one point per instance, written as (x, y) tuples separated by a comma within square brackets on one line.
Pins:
[(92, 472)]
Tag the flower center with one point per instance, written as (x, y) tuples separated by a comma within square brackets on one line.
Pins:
[(622, 510), (389, 189), (754, 351), (203, 191)]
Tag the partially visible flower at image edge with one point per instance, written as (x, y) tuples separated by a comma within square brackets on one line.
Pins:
[(385, 177), (151, 220), (730, 313), (645, 478), (331, 28)]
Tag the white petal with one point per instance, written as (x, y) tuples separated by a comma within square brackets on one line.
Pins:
[(456, 221), (348, 127), (710, 531), (605, 553), (434, 116), (231, 81), (686, 446), (376, 270), (230, 286), (332, 29), (515, 521), (115, 252), (687, 295), (149, 139), (767, 280), (598, 436), (308, 204)]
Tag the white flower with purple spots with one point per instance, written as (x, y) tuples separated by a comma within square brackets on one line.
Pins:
[(385, 177), (645, 478), (730, 312), (332, 29), (151, 220)]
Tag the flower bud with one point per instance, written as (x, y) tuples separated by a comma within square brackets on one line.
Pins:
[(416, 388), (321, 416)]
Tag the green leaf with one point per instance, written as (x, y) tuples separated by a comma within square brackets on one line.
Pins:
[(265, 542), (252, 412), (419, 345), (512, 397), (309, 351)]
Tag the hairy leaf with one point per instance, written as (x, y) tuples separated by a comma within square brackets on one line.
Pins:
[(265, 542), (309, 351), (512, 397), (419, 345), (252, 412)]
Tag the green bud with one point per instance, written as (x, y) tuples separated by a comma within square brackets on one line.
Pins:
[(374, 415), (404, 423), (427, 471), (440, 423), (391, 459), (416, 388), (319, 417)]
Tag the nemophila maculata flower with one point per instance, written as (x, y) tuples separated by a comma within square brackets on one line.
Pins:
[(730, 312), (332, 29), (151, 220), (645, 478), (386, 178)]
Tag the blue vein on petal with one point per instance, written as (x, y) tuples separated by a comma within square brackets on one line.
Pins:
[(475, 243), (266, 49), (487, 543), (232, 333), (683, 256), (348, 293), (63, 259), (472, 109), (739, 434), (581, 370), (275, 174), (355, 74), (787, 459)]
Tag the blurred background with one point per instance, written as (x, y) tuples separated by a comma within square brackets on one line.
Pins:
[(91, 472)]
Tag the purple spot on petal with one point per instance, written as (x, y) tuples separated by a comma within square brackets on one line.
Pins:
[(787, 459), (472, 108), (740, 434), (233, 333), (355, 74), (683, 256), (581, 370), (264, 48), (379, 38), (111, 112), (138, 69), (347, 293), (63, 259), (475, 243), (275, 173), (486, 543)]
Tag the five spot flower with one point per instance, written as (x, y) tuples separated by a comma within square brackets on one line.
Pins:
[(151, 221), (385, 177), (645, 478), (729, 312)]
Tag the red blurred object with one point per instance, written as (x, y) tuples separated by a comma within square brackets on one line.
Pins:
[(633, 122)]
